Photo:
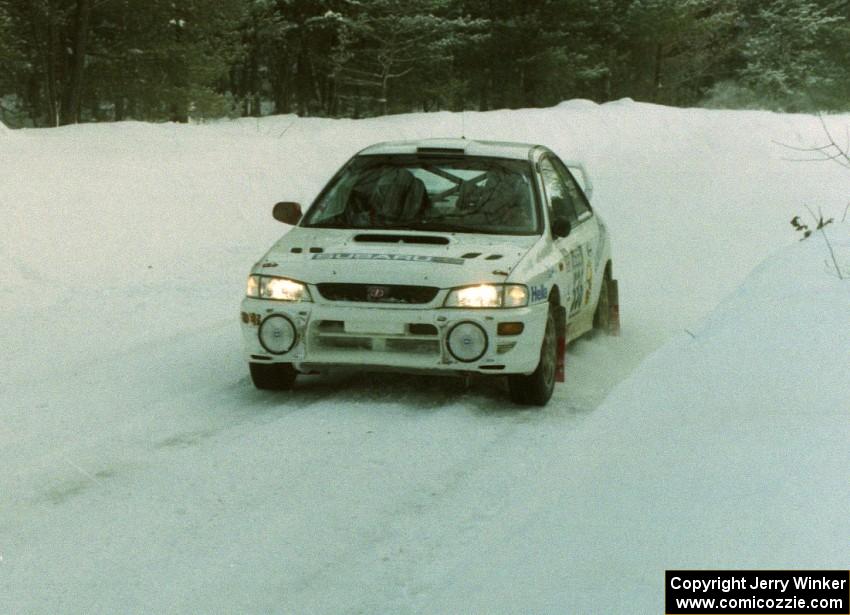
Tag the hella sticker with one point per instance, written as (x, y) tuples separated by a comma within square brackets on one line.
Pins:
[(539, 293)]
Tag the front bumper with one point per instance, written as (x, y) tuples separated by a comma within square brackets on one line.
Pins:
[(401, 338)]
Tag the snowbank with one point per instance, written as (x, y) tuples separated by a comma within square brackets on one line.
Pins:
[(726, 449)]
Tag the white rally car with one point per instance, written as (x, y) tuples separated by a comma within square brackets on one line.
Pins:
[(442, 256)]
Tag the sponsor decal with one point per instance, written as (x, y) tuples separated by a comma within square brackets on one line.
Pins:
[(405, 258), (539, 293), (577, 266)]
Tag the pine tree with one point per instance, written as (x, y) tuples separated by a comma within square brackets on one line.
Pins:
[(789, 62), (671, 51), (389, 42)]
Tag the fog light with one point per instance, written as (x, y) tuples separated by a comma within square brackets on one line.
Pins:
[(510, 328), (277, 334), (467, 342)]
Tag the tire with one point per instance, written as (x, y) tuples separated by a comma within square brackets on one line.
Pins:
[(273, 376), (536, 389), (602, 315)]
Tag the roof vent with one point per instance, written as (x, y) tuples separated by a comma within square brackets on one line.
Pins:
[(440, 151)]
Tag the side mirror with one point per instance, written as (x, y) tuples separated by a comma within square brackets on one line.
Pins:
[(561, 227), (287, 212)]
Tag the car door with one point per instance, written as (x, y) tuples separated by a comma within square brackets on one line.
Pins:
[(565, 199)]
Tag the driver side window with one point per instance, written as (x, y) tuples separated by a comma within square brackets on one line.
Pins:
[(559, 198)]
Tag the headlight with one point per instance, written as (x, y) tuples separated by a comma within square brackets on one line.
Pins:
[(488, 296), (279, 289)]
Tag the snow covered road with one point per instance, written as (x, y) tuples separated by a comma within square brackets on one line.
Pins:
[(143, 473), (171, 496)]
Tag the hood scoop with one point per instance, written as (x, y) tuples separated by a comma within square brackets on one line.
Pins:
[(434, 240), (471, 255)]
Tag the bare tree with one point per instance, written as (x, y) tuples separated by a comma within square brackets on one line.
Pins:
[(829, 151)]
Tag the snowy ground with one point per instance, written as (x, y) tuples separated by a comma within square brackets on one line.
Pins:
[(142, 472)]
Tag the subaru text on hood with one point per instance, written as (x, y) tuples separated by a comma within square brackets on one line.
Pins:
[(449, 256)]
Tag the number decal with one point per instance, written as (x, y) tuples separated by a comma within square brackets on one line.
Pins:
[(577, 267)]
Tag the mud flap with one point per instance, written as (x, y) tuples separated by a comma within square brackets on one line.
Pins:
[(613, 308), (561, 327), (561, 365)]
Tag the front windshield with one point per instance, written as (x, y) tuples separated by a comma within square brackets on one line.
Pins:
[(465, 195)]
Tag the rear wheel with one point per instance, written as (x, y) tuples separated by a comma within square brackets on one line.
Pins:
[(536, 388), (273, 376)]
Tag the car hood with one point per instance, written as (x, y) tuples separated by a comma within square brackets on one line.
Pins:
[(394, 257)]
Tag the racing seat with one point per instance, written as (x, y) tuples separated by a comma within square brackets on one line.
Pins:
[(398, 197), (502, 199)]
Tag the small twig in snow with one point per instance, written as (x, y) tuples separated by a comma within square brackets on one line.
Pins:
[(818, 148), (831, 151), (83, 472), (814, 217), (832, 254), (285, 129)]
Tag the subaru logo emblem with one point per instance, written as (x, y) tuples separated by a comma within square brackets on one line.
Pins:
[(376, 293)]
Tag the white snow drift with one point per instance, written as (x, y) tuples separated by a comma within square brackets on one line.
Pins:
[(143, 473)]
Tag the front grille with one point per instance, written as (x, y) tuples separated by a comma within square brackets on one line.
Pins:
[(377, 344), (421, 339), (378, 293)]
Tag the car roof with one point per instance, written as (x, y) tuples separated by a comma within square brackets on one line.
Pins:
[(466, 147)]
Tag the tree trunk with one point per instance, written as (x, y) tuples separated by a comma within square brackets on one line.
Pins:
[(384, 92), (316, 86), (301, 80), (281, 87), (253, 82), (656, 77), (34, 98), (608, 89), (484, 93), (71, 105), (50, 46)]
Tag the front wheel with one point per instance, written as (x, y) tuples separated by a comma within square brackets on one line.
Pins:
[(536, 389), (273, 376)]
